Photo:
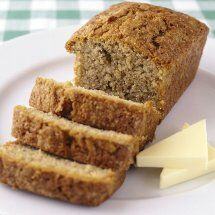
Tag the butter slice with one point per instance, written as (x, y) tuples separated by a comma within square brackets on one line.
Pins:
[(185, 149), (170, 177)]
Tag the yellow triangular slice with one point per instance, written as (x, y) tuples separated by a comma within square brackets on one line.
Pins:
[(170, 177), (185, 149)]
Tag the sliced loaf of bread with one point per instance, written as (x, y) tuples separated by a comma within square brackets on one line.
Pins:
[(84, 144), (95, 108), (29, 169)]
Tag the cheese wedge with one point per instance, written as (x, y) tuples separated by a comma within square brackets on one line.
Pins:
[(170, 177), (185, 149)]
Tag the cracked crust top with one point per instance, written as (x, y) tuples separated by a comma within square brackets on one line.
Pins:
[(157, 33)]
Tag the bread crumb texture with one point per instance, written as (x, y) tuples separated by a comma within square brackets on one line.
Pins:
[(139, 52), (96, 108), (106, 149), (29, 169)]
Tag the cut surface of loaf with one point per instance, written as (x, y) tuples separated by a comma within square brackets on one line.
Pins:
[(29, 169), (106, 149), (95, 108), (139, 52)]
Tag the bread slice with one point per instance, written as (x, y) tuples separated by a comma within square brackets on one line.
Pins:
[(29, 169), (95, 108), (139, 52), (84, 144)]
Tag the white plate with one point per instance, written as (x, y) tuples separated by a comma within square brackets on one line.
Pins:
[(43, 54)]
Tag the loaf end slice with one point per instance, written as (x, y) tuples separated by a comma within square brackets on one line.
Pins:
[(96, 108), (84, 144), (139, 52), (29, 169)]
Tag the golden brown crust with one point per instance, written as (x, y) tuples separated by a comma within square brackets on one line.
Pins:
[(160, 34), (182, 75), (53, 184), (106, 113), (169, 41), (95, 108), (77, 142)]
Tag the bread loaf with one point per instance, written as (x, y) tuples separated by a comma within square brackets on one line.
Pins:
[(139, 52)]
